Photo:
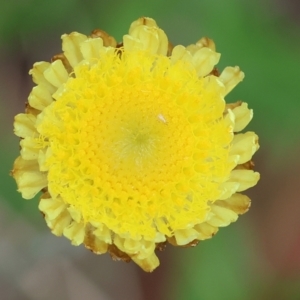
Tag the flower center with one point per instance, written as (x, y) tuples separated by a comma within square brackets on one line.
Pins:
[(137, 143)]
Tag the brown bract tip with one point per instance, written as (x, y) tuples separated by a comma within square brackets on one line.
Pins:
[(107, 39), (116, 254)]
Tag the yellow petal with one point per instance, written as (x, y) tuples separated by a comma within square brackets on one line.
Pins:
[(29, 148), (203, 42), (230, 77), (244, 145), (75, 233), (75, 214), (71, 47), (56, 74), (38, 77), (142, 21), (42, 156), (243, 115), (51, 207), (245, 178), (221, 216), (103, 233), (147, 264), (205, 231), (94, 243), (204, 61), (127, 245), (24, 125), (238, 203), (185, 236), (228, 188), (146, 250), (40, 97), (180, 53), (144, 37), (28, 177), (90, 49)]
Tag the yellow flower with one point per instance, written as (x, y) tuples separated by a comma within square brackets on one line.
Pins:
[(133, 145)]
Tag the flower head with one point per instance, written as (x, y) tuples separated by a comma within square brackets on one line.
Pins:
[(133, 145)]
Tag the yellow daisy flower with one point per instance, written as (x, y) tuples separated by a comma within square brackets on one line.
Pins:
[(133, 145)]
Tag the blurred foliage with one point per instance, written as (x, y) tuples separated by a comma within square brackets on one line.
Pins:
[(221, 268), (247, 34)]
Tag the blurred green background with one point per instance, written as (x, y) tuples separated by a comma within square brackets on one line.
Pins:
[(256, 258)]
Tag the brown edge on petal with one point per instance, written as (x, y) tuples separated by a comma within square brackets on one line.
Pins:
[(249, 165), (119, 49), (215, 72), (64, 61), (119, 45), (45, 194), (108, 40), (173, 242), (45, 190), (30, 110), (232, 105), (90, 240), (161, 246), (116, 254), (170, 49), (207, 42)]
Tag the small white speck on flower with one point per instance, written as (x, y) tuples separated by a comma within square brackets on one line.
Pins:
[(162, 118)]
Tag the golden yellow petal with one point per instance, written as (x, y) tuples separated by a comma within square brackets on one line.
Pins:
[(38, 77), (228, 188), (206, 42), (29, 148), (144, 37), (56, 74), (103, 233), (127, 245), (147, 249), (94, 243), (142, 21), (24, 125), (75, 214), (230, 118), (230, 77), (213, 84), (245, 178), (71, 47), (59, 224), (243, 115), (75, 233), (40, 97), (51, 207), (90, 49), (221, 216), (180, 53), (42, 156), (147, 264), (205, 231), (204, 61), (203, 42), (185, 236), (28, 177), (238, 203), (244, 145), (159, 238)]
